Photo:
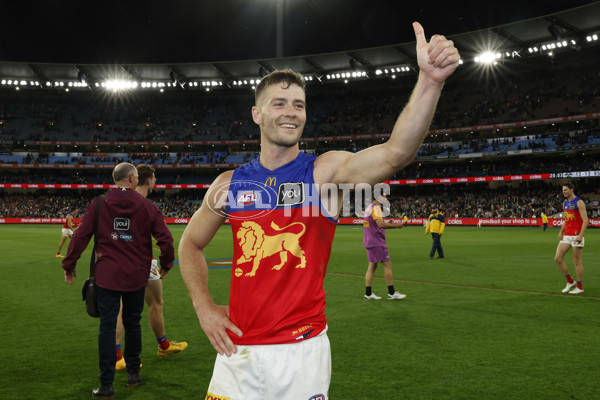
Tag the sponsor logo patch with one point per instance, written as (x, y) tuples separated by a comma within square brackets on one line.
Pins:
[(317, 397), (290, 194), (121, 224), (122, 236), (210, 396), (246, 198)]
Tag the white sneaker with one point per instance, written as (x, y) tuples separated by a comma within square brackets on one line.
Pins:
[(576, 291), (569, 286), (372, 297), (396, 296)]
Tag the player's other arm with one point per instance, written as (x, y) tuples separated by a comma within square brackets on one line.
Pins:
[(203, 226), (584, 219), (561, 233), (437, 60), (164, 241), (388, 225)]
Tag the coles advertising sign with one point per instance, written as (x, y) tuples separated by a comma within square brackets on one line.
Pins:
[(594, 223)]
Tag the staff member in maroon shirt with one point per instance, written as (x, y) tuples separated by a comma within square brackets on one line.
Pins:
[(127, 221)]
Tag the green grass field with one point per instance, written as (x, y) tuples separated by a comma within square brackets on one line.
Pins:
[(486, 322)]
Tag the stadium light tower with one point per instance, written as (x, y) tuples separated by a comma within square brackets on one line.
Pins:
[(279, 28)]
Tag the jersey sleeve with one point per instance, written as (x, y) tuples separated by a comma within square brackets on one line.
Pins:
[(376, 213)]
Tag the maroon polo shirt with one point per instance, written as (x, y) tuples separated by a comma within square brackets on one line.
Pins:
[(126, 224)]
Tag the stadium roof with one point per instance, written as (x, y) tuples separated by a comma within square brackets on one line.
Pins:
[(50, 45)]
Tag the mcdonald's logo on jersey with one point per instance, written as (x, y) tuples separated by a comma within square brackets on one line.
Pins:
[(271, 181)]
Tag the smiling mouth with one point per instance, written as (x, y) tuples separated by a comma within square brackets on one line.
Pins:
[(288, 126)]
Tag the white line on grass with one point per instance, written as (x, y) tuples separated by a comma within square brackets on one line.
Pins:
[(472, 286)]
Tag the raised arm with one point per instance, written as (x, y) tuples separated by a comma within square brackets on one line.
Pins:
[(203, 226), (437, 60)]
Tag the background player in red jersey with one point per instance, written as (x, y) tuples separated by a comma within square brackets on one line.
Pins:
[(67, 230), (571, 236)]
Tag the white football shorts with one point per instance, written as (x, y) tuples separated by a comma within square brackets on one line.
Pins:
[(154, 271), (299, 371), (67, 232), (571, 240)]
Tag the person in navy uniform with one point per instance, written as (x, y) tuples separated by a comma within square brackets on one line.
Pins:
[(435, 225)]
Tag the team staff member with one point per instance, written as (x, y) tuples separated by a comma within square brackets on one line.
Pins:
[(126, 224), (153, 295), (283, 235), (374, 228), (571, 236), (545, 221), (67, 230), (436, 224)]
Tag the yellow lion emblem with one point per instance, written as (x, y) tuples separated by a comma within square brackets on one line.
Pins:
[(256, 245)]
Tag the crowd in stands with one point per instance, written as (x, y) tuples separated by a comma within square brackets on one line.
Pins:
[(533, 89), (546, 143), (530, 91), (462, 201), (41, 204), (179, 158), (513, 165)]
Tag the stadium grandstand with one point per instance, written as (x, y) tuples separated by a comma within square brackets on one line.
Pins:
[(509, 126)]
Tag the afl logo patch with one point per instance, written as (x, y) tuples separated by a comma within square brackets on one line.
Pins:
[(246, 198)]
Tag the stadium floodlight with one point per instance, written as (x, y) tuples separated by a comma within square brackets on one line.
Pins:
[(117, 85), (487, 57)]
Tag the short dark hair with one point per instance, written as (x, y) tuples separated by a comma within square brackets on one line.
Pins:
[(286, 76), (145, 172), (569, 185)]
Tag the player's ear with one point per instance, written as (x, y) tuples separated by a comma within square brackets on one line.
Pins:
[(256, 116)]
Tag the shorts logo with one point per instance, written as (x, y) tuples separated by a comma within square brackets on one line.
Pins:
[(290, 194), (246, 198), (210, 396), (122, 236), (317, 397), (121, 224)]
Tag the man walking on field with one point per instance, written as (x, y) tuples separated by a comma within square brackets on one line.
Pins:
[(571, 235)]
